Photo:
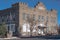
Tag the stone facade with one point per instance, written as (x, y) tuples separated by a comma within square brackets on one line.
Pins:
[(21, 11), (48, 18)]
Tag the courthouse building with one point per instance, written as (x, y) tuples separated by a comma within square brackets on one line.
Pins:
[(17, 16)]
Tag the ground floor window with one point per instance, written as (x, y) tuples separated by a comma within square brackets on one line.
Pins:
[(11, 27), (25, 28)]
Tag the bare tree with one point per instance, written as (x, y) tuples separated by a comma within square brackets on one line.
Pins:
[(32, 22)]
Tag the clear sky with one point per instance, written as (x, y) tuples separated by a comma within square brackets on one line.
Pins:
[(55, 4)]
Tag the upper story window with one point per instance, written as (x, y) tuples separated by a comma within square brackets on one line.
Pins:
[(53, 20), (39, 18), (0, 19), (47, 18), (33, 17), (8, 18), (24, 16), (42, 17), (13, 17), (28, 15)]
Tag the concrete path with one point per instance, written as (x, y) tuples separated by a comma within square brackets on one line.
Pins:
[(12, 38), (16, 38)]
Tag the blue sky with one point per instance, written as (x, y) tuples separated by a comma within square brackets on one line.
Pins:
[(55, 4)]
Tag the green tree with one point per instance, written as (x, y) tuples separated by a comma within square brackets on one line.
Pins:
[(3, 30)]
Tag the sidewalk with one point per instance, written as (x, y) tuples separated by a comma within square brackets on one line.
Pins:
[(11, 38)]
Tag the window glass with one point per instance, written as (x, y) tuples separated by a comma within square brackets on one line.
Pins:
[(47, 18), (24, 27), (14, 17), (24, 16), (53, 19), (42, 17), (33, 17), (11, 27), (28, 15), (39, 18)]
